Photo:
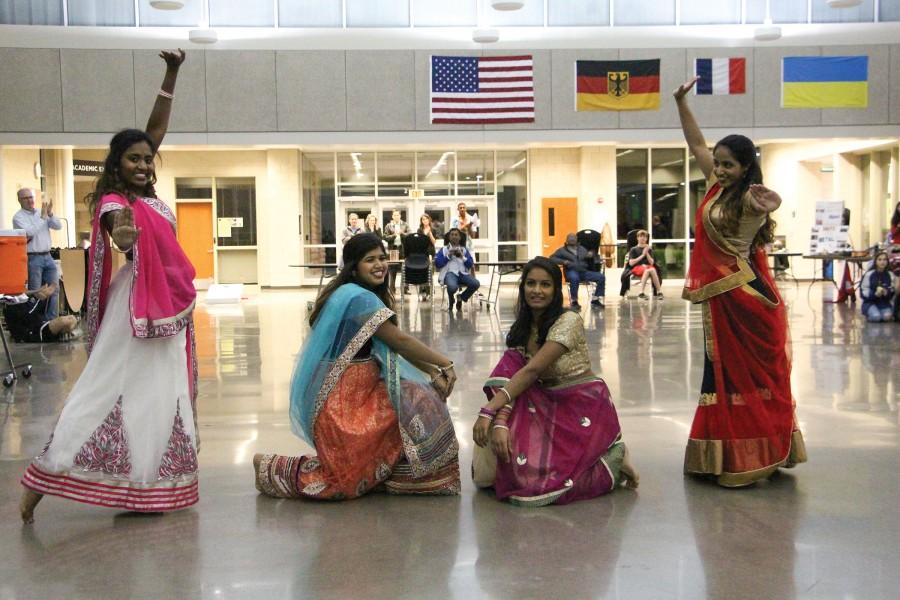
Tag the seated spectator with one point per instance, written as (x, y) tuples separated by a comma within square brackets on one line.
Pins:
[(456, 267), (640, 263), (877, 289), (27, 322), (578, 264)]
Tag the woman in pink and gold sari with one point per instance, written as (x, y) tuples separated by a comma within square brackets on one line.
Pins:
[(126, 436), (549, 433)]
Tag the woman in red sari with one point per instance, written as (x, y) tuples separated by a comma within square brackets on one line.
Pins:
[(744, 428)]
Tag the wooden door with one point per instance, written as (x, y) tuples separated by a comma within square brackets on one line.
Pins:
[(195, 234), (559, 217)]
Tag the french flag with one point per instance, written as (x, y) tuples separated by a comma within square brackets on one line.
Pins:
[(720, 76)]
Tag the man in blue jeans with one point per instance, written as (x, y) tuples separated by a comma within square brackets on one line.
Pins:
[(456, 265), (578, 263), (37, 225)]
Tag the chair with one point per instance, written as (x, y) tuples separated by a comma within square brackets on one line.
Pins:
[(417, 266)]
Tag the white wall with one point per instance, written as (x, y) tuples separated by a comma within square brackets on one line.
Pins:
[(18, 172)]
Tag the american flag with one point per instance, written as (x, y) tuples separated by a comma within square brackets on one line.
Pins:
[(482, 89)]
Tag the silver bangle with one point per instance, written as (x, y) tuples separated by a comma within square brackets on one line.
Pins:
[(165, 94), (500, 427), (503, 389)]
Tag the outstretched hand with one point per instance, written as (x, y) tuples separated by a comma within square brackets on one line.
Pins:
[(501, 444), (124, 234), (173, 58), (684, 88), (762, 199)]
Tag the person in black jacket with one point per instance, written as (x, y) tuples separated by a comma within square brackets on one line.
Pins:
[(579, 264), (27, 321)]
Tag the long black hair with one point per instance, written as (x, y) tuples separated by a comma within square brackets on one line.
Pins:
[(744, 151), (110, 181), (521, 327), (895, 218), (354, 251)]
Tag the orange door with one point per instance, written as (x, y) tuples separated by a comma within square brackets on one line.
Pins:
[(195, 234), (560, 218)]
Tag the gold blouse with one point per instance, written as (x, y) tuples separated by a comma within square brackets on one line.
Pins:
[(749, 225), (575, 364)]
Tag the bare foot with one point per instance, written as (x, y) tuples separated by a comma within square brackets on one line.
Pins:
[(29, 500), (631, 479)]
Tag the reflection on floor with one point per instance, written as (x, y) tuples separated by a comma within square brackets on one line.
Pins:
[(829, 529)]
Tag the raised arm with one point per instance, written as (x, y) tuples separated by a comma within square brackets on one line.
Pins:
[(158, 123), (692, 134)]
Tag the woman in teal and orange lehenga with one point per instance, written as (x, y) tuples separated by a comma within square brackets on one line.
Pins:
[(360, 395)]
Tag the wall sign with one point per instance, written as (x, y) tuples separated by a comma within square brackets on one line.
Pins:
[(87, 167)]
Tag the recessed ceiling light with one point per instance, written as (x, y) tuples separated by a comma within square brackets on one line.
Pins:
[(507, 4), (203, 36), (167, 4), (843, 3), (485, 36)]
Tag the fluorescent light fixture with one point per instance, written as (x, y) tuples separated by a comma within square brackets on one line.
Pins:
[(167, 4), (203, 36), (767, 32), (623, 153), (507, 4), (843, 3), (517, 164), (485, 36)]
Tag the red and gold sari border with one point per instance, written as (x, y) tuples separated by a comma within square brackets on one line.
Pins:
[(711, 398), (737, 463)]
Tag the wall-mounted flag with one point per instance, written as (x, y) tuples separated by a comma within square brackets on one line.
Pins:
[(617, 84), (720, 76), (825, 82), (482, 89)]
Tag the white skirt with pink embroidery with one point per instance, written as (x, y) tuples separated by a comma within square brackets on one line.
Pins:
[(125, 437)]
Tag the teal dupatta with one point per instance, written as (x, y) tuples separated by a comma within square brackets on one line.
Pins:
[(349, 319)]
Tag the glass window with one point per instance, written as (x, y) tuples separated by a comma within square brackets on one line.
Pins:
[(475, 173), (644, 12), (310, 13), (668, 193), (26, 12), (434, 13), (578, 12), (318, 256), (512, 197), (193, 188), (889, 10), (822, 13), (236, 200), (479, 217), (101, 13), (512, 252), (188, 16), (697, 185), (318, 199), (783, 11), (240, 13), (396, 172), (703, 12), (377, 13), (356, 167), (440, 221), (631, 191), (436, 172), (530, 15)]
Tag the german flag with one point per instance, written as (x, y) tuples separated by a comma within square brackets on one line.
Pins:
[(617, 84)]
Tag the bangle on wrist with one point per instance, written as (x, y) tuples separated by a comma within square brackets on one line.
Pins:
[(443, 370), (508, 397), (500, 426), (165, 94)]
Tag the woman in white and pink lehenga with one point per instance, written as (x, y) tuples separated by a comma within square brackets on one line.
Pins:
[(126, 437)]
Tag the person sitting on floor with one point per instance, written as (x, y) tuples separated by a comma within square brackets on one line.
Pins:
[(27, 321), (578, 263), (641, 264), (877, 289), (456, 267)]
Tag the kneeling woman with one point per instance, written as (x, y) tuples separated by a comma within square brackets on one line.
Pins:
[(550, 421), (362, 396)]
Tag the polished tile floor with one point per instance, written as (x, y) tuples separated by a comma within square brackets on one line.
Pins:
[(828, 529)]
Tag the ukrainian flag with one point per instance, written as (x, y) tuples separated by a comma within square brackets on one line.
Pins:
[(825, 82)]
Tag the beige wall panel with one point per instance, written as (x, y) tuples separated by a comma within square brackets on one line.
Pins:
[(879, 82), (563, 92), (97, 90), (732, 111), (381, 90), (31, 93), (767, 109), (672, 73), (423, 91), (240, 90), (895, 84), (189, 105), (543, 90), (312, 90)]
